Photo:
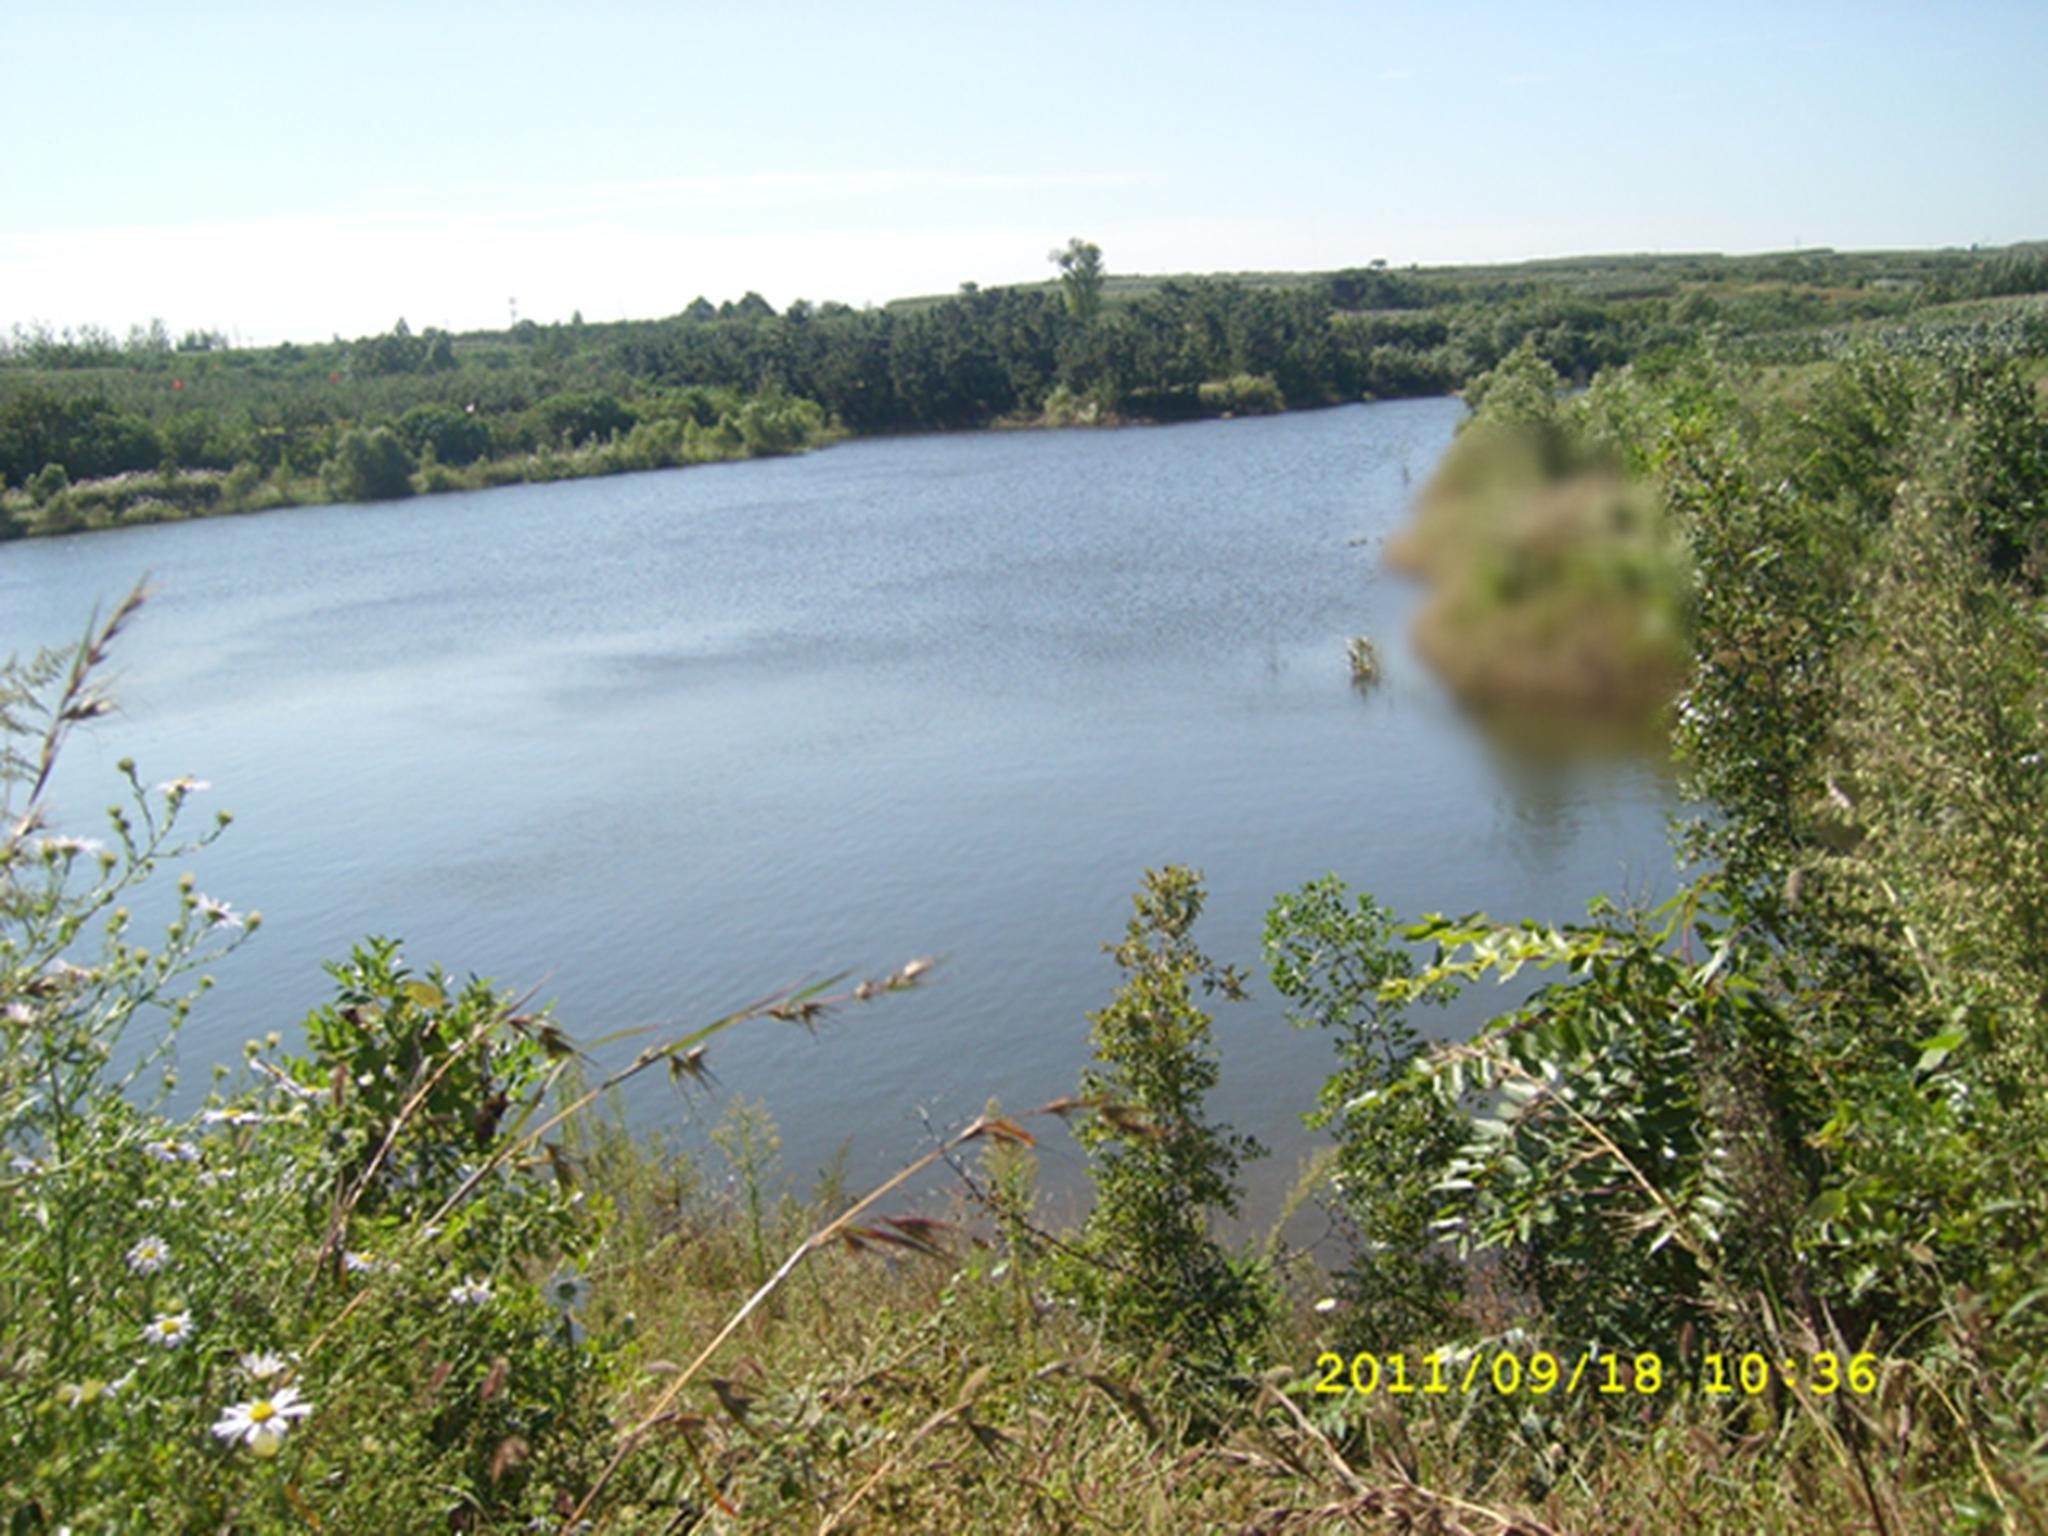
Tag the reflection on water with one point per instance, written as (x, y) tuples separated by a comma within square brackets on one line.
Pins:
[(656, 744)]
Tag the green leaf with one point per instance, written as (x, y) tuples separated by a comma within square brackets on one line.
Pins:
[(1936, 1049)]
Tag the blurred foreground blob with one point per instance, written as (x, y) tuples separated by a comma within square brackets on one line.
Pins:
[(1557, 584)]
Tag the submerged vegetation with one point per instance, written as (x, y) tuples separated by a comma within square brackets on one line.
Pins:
[(97, 431), (1737, 1221), (1364, 658)]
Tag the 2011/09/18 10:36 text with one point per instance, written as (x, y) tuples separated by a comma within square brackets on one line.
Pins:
[(1540, 1373)]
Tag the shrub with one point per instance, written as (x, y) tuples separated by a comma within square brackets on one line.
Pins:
[(1332, 957), (1242, 394), (1146, 1264), (48, 481), (368, 466), (457, 438)]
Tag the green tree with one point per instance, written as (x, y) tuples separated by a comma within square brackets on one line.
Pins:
[(457, 437), (368, 466), (1081, 276), (1146, 1264)]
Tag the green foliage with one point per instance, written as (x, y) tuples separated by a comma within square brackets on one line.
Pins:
[(1089, 348), (399, 351), (368, 466), (84, 433), (752, 1146), (1825, 1128), (1336, 960), (457, 437), (425, 1074), (1146, 1264), (1081, 278), (1241, 395), (1639, 1156), (47, 482), (314, 1300), (580, 417)]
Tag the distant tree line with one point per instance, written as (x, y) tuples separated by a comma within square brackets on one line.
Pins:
[(1087, 346)]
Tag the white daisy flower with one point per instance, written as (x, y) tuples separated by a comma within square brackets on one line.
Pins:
[(361, 1263), (171, 1150), (218, 914), (262, 1365), (169, 1329), (149, 1256), (261, 1422), (471, 1293), (231, 1117), (18, 1013), (26, 1166), (178, 788), (566, 1290)]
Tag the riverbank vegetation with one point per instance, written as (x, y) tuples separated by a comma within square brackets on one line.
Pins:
[(1737, 1222), (97, 431)]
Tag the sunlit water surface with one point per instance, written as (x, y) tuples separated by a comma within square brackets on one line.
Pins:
[(658, 744)]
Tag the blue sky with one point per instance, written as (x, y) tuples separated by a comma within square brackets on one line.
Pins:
[(283, 171)]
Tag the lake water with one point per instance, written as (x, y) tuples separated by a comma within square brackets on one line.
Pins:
[(658, 744)]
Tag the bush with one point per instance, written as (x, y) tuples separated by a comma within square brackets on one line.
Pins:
[(1241, 394), (457, 438), (573, 419), (48, 481), (1146, 1265), (368, 466), (1332, 957)]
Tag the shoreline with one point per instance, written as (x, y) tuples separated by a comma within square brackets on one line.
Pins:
[(141, 499)]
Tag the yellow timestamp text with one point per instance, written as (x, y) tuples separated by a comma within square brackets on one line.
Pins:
[(1644, 1373)]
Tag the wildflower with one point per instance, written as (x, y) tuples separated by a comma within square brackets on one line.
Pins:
[(361, 1263), (171, 1150), (26, 1166), (18, 1013), (169, 1329), (1327, 1304), (232, 1117), (471, 1293), (261, 1422), (303, 1092), (215, 1175), (262, 1366), (178, 788), (149, 1256), (566, 1290), (218, 914)]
